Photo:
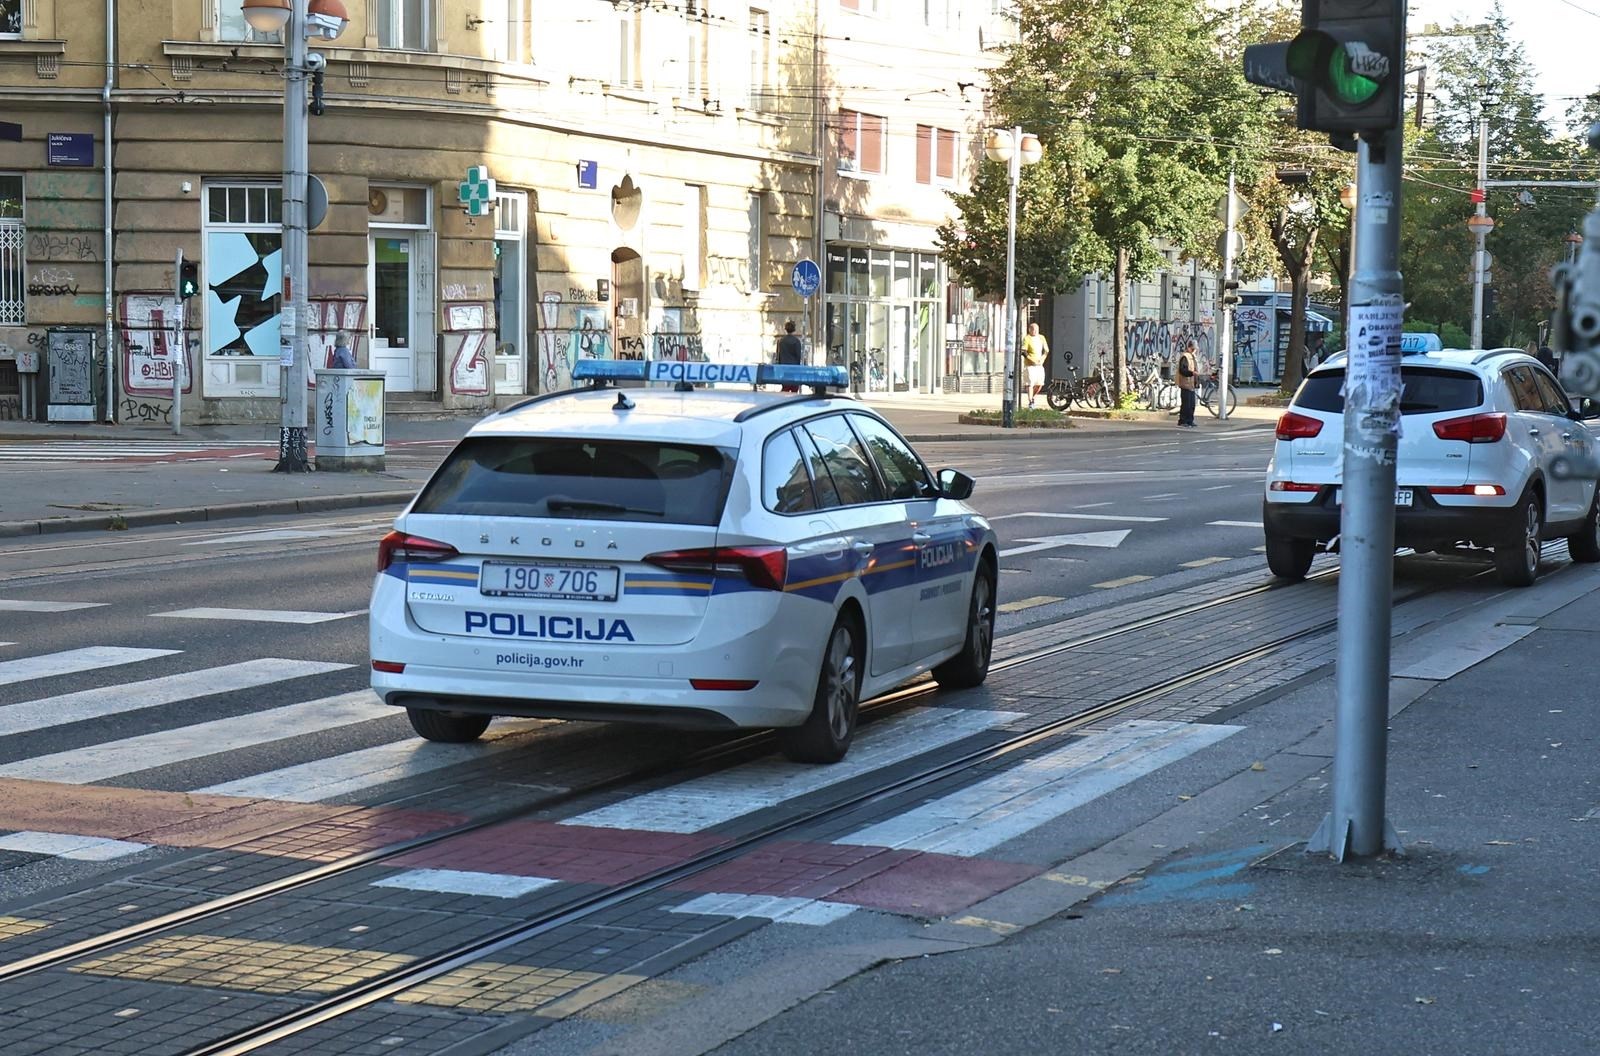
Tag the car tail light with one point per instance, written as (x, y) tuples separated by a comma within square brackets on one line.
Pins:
[(725, 684), (1480, 490), (398, 546), (1294, 426), (1474, 428), (763, 566), (1289, 485), (389, 667)]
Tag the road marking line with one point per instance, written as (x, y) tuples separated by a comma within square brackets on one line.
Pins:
[(1107, 540), (72, 661), (338, 775), (1164, 495), (1088, 506), (18, 605), (1258, 549), (101, 762), (49, 712), (260, 615), (776, 908), (702, 802), (1218, 487), (1204, 561), (1027, 603), (1123, 582), (1083, 516), (462, 882), (982, 816), (275, 535), (1235, 524), (76, 848)]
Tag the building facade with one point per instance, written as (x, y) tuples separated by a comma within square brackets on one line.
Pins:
[(660, 167)]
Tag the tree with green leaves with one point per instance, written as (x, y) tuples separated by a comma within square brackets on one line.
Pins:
[(1141, 105)]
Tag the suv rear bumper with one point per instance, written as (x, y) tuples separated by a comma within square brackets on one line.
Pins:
[(1424, 525)]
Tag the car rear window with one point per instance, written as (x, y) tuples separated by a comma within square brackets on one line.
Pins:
[(608, 480), (1425, 390)]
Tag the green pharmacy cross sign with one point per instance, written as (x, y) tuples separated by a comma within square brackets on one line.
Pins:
[(476, 192)]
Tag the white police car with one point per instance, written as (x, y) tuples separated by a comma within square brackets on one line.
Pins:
[(705, 557), (1482, 432)]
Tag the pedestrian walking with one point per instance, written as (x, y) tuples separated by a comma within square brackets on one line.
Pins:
[(1035, 350), (1188, 375), (790, 350)]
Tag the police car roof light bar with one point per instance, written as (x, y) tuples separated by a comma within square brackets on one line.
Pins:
[(599, 372), (820, 379)]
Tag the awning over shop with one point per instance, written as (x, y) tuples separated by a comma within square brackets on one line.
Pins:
[(1317, 323)]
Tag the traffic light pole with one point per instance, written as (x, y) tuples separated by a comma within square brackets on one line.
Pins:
[(292, 456), (1225, 338), (180, 346), (1480, 230), (1356, 825)]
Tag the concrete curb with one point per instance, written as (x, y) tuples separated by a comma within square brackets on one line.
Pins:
[(188, 514)]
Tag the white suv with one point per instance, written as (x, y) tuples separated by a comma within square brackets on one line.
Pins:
[(1480, 431), (718, 558)]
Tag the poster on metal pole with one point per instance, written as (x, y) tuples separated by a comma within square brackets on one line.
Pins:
[(1372, 382)]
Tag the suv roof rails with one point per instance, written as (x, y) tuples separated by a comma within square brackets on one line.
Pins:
[(803, 397), (1490, 353)]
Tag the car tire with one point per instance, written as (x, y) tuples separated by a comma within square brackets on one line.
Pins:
[(1517, 563), (1290, 558), (448, 727), (970, 666), (1584, 546), (825, 735)]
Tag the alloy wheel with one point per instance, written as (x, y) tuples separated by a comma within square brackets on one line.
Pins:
[(1530, 537), (841, 675)]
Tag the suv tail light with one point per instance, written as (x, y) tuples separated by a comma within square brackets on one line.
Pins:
[(398, 546), (1474, 428), (1294, 426), (763, 566)]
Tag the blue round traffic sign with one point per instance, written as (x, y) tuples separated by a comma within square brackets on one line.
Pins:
[(806, 277)]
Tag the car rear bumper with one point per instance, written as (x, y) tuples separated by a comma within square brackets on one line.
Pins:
[(1425, 525)]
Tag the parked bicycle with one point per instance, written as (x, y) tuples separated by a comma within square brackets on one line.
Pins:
[(1208, 395), (1156, 392), (1093, 390)]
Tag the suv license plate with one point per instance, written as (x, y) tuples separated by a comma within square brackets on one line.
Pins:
[(515, 579), (1402, 496)]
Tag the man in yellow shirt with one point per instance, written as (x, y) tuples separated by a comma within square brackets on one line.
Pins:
[(1035, 350)]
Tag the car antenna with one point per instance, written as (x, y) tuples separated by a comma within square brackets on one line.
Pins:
[(623, 403)]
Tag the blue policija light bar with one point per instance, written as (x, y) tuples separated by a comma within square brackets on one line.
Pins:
[(704, 373), (609, 370)]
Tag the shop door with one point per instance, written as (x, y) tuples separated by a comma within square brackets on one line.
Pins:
[(393, 281), (903, 364)]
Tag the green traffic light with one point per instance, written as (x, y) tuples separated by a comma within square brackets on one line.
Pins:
[(1319, 58), (1344, 84)]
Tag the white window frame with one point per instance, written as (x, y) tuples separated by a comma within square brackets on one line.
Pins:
[(232, 28), (222, 370), (696, 52), (936, 133), (849, 121), (694, 235), (630, 46), (511, 41), (759, 42), (13, 259), (757, 210), (514, 205), (399, 28), (17, 33)]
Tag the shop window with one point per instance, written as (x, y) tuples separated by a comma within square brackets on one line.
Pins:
[(13, 240), (861, 142), (243, 269), (10, 18)]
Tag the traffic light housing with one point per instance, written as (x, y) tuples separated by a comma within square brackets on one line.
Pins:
[(1230, 292), (189, 279), (1345, 67), (318, 103)]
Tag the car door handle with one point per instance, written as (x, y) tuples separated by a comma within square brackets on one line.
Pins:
[(1567, 437), (920, 537), (861, 546), (1533, 430)]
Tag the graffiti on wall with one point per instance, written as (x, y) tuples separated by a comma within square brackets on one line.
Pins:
[(671, 340), (467, 342), (1253, 350), (591, 337), (1155, 343), (150, 346), (555, 368)]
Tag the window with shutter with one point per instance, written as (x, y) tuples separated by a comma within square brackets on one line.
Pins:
[(925, 135)]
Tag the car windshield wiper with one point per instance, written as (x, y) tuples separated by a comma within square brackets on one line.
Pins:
[(562, 502)]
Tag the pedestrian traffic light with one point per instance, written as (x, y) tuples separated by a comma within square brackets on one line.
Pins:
[(189, 279), (1230, 292), (1345, 67), (318, 103)]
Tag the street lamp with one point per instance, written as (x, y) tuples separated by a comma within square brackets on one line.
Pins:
[(1016, 148), (302, 20), (1480, 224)]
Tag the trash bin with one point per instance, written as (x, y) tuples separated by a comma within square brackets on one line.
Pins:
[(349, 420)]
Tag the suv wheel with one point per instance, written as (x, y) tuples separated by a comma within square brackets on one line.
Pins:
[(825, 735), (451, 727), (1517, 562), (1290, 558), (1585, 545)]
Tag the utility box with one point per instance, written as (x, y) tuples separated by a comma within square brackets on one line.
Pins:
[(349, 420)]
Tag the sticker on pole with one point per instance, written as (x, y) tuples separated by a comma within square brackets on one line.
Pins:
[(1373, 380)]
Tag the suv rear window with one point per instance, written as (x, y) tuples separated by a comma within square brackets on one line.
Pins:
[(607, 480), (1425, 390)]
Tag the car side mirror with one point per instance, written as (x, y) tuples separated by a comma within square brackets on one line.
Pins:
[(954, 484), (1585, 409)]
